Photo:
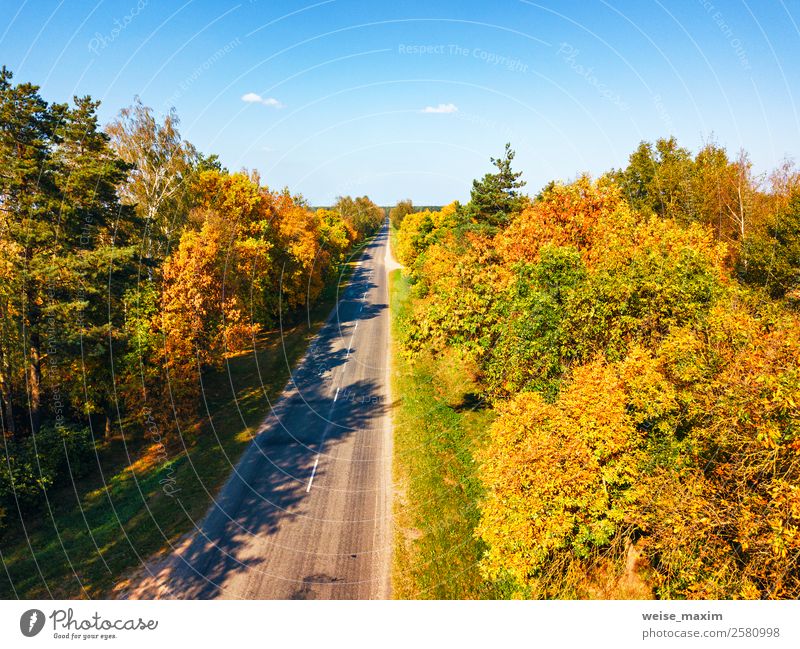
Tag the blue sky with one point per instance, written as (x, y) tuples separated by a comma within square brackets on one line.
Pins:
[(410, 98)]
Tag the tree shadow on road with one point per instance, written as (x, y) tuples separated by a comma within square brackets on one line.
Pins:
[(268, 488)]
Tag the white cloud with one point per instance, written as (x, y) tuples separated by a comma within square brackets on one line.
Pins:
[(441, 109), (255, 98)]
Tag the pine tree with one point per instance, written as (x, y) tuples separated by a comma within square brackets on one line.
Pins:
[(28, 197), (495, 198), (64, 242)]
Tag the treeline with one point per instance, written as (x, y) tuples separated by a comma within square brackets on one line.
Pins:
[(130, 263), (639, 338)]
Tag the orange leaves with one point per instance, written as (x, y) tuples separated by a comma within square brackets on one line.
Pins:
[(556, 477), (532, 480), (200, 305), (738, 531), (419, 230), (594, 408), (411, 237), (651, 397), (305, 262), (667, 397), (252, 253), (274, 240), (582, 214), (717, 509), (235, 196), (760, 382)]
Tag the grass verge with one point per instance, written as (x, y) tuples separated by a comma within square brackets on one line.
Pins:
[(114, 519), (438, 425)]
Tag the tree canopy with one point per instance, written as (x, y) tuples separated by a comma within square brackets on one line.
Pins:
[(637, 338), (131, 264)]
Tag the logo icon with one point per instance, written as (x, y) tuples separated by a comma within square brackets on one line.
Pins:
[(31, 622)]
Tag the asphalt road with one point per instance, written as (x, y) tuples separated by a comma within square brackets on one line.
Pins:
[(306, 514)]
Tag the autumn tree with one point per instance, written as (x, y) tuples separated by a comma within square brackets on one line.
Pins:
[(130, 265), (304, 259), (336, 236), (249, 258), (658, 178), (590, 215), (709, 188), (203, 314), (161, 163), (364, 216), (558, 479), (684, 457), (646, 439)]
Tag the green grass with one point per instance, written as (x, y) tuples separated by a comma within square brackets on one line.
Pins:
[(129, 518), (438, 425)]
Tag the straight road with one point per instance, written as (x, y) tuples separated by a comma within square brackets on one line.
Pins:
[(306, 513)]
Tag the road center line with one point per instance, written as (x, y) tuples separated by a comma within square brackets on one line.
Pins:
[(336, 396), (313, 472)]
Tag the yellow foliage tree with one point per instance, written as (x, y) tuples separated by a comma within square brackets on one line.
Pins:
[(592, 216), (558, 482)]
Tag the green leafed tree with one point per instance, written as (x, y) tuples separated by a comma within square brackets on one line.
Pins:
[(772, 258), (364, 216), (400, 211)]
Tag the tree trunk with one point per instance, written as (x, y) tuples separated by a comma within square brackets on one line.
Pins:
[(7, 397), (8, 410), (35, 383)]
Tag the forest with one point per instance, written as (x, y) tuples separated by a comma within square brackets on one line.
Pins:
[(635, 339), (632, 340), (132, 266)]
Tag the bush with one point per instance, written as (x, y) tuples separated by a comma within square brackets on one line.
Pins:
[(36, 463)]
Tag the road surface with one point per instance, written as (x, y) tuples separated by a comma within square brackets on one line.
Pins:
[(306, 514)]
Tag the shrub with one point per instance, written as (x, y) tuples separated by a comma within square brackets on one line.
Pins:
[(35, 464)]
